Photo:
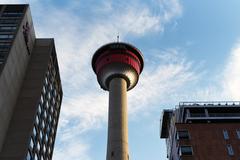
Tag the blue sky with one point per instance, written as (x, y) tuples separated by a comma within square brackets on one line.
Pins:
[(191, 50)]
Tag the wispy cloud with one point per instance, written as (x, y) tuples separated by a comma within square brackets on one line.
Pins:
[(231, 74), (163, 80), (72, 150)]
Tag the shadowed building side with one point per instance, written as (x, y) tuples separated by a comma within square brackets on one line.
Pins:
[(32, 129), (30, 88)]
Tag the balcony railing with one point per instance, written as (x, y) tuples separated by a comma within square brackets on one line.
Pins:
[(210, 103)]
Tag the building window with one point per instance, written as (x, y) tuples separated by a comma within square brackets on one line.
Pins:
[(44, 149), (37, 120), (35, 156), (39, 108), (29, 157), (31, 143), (185, 150), (182, 135), (6, 36), (38, 146), (34, 131), (41, 135), (238, 133), (225, 134), (230, 150)]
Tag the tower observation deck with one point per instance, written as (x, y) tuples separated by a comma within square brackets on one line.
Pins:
[(117, 66)]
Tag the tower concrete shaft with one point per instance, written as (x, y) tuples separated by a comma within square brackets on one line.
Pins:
[(117, 146), (117, 66)]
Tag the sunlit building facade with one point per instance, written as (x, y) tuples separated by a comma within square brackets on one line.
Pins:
[(30, 88), (202, 131)]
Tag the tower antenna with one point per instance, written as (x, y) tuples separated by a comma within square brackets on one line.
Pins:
[(118, 37)]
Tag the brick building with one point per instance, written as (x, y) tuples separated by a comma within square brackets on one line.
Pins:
[(202, 131)]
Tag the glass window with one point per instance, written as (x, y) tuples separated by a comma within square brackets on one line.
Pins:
[(12, 14), (41, 135), (44, 90), (28, 156), (50, 140), (34, 131), (31, 143), (47, 105), (6, 36), (35, 156), (185, 150), (53, 130), (43, 124), (50, 119), (46, 80), (54, 122), (51, 109), (8, 27), (49, 150), (37, 120), (45, 114), (238, 133), (53, 101), (39, 108), (230, 150), (182, 135), (41, 99), (38, 146), (5, 44), (8, 21), (46, 138), (48, 130), (44, 148), (49, 95), (225, 134)]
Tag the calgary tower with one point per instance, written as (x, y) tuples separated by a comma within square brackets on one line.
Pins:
[(117, 66)]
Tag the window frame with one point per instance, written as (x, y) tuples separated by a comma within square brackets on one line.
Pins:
[(185, 154), (225, 134), (238, 133), (230, 150), (178, 137)]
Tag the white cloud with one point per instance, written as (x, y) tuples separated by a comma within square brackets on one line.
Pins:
[(174, 9), (231, 74), (74, 150), (163, 81)]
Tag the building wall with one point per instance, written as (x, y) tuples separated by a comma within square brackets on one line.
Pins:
[(12, 74), (20, 128), (44, 130), (208, 142)]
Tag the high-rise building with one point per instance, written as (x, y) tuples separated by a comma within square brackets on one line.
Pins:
[(30, 88), (117, 66), (202, 131)]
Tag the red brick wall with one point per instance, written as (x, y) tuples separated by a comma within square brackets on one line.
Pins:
[(208, 142)]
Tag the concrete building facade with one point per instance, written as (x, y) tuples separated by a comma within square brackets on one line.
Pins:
[(30, 88), (202, 131)]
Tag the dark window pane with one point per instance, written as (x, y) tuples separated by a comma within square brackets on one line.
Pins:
[(185, 150)]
